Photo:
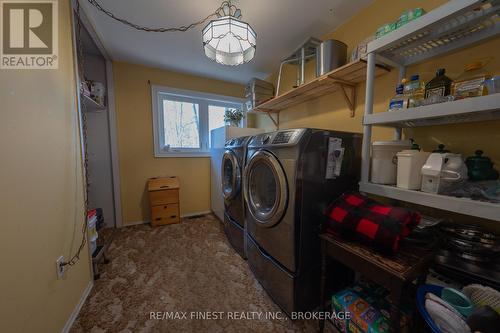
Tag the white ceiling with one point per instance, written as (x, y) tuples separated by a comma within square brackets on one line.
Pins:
[(281, 26)]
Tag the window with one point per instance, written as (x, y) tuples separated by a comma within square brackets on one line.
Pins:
[(183, 120), (216, 117)]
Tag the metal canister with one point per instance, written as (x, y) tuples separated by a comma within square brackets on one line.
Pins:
[(330, 54)]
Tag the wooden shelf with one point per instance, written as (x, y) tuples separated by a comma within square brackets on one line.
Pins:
[(466, 206), (344, 78)]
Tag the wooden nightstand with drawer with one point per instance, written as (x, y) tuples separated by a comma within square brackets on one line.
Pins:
[(164, 200)]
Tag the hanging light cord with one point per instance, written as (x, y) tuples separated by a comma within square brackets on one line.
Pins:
[(76, 257), (225, 9)]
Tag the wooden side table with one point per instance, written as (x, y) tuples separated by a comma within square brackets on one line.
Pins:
[(392, 272), (164, 200)]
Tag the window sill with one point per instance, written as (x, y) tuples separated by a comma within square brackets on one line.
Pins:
[(183, 155)]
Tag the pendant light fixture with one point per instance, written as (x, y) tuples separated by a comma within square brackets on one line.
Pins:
[(228, 40)]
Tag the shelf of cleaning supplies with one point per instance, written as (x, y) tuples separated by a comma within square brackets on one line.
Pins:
[(481, 209), (342, 78), (454, 25), (460, 111)]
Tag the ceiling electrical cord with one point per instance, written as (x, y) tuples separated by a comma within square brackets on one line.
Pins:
[(223, 10)]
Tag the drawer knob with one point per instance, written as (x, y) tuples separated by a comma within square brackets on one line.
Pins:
[(164, 207), (158, 219), (164, 186), (173, 216)]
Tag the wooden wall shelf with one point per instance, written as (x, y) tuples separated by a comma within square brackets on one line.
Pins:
[(343, 79)]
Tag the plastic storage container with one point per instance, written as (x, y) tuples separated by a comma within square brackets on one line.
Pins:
[(398, 101), (257, 92), (443, 171), (410, 163), (92, 235), (493, 85), (384, 160), (471, 83), (414, 91)]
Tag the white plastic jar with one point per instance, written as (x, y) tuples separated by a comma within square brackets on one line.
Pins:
[(410, 163), (384, 160)]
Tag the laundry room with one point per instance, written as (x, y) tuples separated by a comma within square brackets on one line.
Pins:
[(250, 166)]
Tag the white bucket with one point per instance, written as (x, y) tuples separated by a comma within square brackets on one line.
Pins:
[(410, 163), (384, 160)]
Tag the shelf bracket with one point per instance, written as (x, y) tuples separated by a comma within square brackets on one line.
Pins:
[(276, 121), (349, 97)]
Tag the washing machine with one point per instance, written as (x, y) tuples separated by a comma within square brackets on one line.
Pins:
[(290, 178), (232, 167)]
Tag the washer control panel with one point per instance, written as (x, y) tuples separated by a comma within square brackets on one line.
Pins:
[(278, 138), (283, 137)]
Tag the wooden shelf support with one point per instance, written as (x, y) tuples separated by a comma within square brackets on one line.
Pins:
[(276, 121), (350, 98), (344, 78)]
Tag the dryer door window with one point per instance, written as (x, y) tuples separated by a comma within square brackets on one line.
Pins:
[(265, 189), (231, 175)]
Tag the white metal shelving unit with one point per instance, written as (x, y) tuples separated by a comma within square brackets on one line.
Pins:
[(451, 27), (460, 111), (464, 206)]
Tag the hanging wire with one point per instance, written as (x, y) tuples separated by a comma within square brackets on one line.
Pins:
[(74, 259), (225, 9)]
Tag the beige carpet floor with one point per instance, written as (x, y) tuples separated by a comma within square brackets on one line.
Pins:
[(179, 270)]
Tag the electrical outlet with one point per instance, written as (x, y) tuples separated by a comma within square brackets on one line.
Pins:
[(60, 268)]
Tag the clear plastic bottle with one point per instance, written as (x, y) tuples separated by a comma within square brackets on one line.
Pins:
[(398, 101), (414, 91)]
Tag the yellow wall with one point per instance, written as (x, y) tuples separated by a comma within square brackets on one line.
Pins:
[(135, 140), (331, 112), (41, 204)]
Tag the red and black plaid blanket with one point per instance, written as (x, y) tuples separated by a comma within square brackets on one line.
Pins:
[(354, 215)]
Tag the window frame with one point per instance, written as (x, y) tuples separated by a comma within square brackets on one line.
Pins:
[(203, 100)]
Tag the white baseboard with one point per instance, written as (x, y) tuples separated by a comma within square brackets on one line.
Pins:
[(134, 223), (183, 215), (77, 308), (197, 213)]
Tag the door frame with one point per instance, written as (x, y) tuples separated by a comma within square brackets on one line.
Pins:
[(111, 107)]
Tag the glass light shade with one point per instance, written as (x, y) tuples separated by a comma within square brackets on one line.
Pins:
[(229, 41)]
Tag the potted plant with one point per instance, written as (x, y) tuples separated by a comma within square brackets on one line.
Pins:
[(233, 117)]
